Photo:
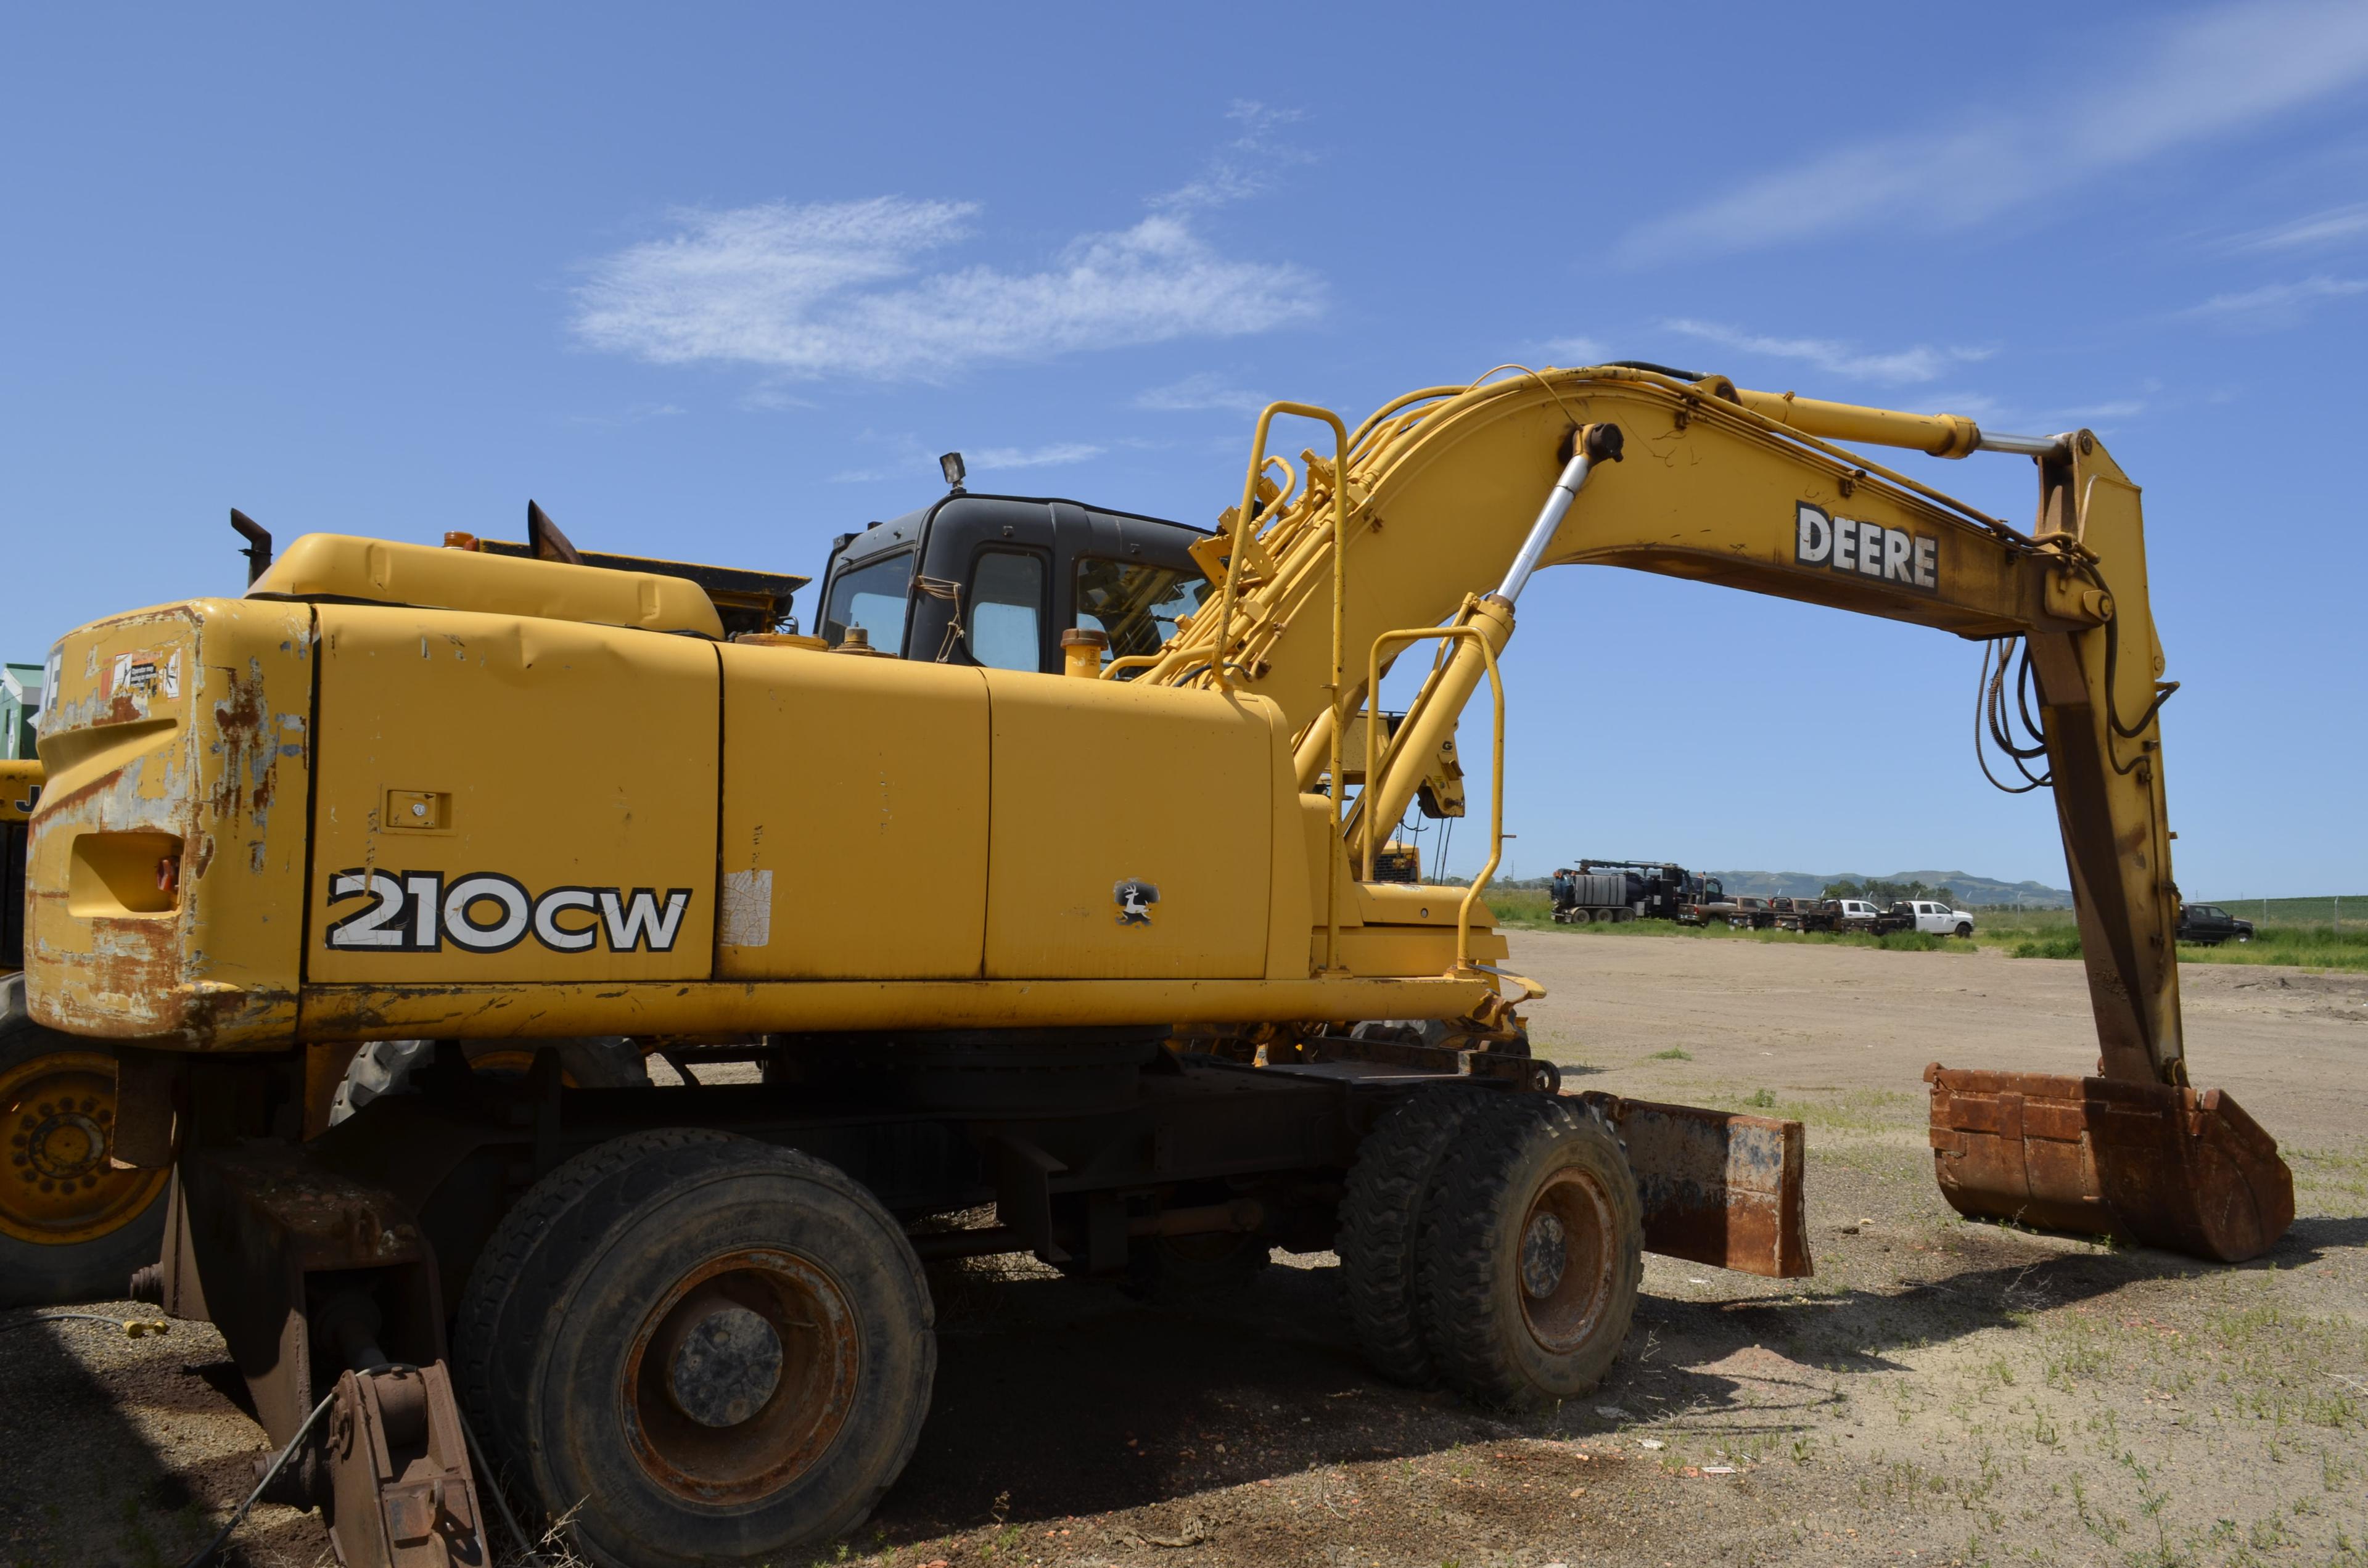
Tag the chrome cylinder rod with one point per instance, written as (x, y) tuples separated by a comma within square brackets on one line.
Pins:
[(1596, 442)]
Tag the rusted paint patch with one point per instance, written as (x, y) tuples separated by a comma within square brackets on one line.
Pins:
[(1716, 1187), (2168, 1166), (151, 738), (320, 1218)]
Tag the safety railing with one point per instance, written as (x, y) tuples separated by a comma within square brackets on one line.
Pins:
[(1376, 764), (1245, 529)]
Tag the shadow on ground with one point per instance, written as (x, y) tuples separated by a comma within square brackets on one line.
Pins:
[(1058, 1398), (114, 1451)]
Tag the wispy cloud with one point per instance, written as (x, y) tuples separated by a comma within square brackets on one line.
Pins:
[(1577, 350), (2212, 75), (913, 460), (840, 290), (1980, 408), (1247, 165), (1203, 392), (2277, 305), (990, 457), (636, 415), (1917, 364), (2332, 226)]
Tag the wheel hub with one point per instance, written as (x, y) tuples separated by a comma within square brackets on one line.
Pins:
[(1546, 1253), (58, 1189), (724, 1367), (741, 1376), (1565, 1260)]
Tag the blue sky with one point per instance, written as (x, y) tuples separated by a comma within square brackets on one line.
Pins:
[(720, 282)]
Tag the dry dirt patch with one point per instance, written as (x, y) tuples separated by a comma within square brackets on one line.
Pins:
[(1940, 1392)]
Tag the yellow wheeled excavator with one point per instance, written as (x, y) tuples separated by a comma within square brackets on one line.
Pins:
[(1102, 951)]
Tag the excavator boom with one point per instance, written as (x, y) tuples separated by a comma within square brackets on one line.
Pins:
[(1438, 494)]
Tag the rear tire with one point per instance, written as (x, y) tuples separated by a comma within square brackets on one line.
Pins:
[(1532, 1252), (736, 1363), (488, 1337), (71, 1228), (1381, 1222)]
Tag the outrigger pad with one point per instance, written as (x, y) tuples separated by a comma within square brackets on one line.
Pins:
[(2168, 1166), (1716, 1187)]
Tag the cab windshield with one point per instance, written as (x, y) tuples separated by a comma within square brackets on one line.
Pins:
[(1135, 603), (873, 597)]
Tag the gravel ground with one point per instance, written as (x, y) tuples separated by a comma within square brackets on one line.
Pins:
[(1940, 1392)]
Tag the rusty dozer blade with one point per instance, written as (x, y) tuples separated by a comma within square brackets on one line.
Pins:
[(1720, 1187), (2172, 1167)]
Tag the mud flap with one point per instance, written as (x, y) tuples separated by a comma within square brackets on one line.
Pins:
[(2168, 1166), (1717, 1186)]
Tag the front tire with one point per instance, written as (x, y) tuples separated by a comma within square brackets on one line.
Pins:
[(1966, 929), (734, 1364), (1381, 1223), (71, 1228), (1532, 1254)]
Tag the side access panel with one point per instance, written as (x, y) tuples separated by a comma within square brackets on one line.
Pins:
[(855, 818), (503, 799), (1134, 831)]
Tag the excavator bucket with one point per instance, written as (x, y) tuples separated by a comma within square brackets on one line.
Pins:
[(2172, 1167)]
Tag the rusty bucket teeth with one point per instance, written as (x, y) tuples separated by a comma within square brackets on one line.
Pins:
[(2172, 1167)]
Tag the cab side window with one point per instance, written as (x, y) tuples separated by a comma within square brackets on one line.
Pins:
[(1136, 604), (1004, 616)]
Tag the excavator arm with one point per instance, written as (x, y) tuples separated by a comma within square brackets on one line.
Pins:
[(1437, 501)]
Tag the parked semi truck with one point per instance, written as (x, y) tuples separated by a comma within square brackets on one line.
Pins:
[(1627, 890), (1091, 952)]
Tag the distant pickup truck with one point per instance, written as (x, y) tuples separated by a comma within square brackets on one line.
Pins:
[(1752, 913), (2208, 924), (1939, 919), (1860, 915)]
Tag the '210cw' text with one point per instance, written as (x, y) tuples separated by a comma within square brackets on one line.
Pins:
[(486, 912)]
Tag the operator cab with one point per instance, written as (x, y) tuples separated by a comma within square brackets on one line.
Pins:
[(994, 580)]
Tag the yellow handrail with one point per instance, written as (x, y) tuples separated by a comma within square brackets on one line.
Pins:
[(1243, 533), (1373, 766)]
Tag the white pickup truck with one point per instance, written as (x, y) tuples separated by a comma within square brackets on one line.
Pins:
[(1938, 918)]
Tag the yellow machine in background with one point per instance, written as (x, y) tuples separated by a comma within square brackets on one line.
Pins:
[(72, 1227), (1112, 951)]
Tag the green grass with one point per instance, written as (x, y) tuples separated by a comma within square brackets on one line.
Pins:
[(2301, 942), (1528, 909), (2298, 931)]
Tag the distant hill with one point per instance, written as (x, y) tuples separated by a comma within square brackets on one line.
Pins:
[(1969, 889)]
